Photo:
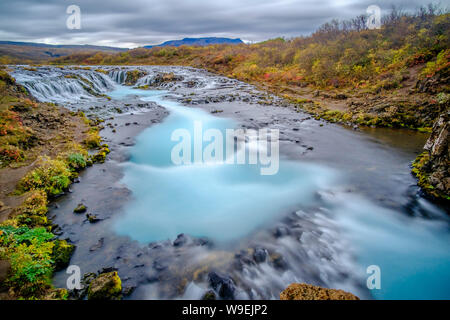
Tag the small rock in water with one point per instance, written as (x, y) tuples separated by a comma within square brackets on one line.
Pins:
[(98, 245), (159, 266), (209, 295), (279, 262), (92, 218), (260, 255), (81, 208), (106, 286), (180, 240), (281, 232), (107, 270), (128, 291), (223, 285)]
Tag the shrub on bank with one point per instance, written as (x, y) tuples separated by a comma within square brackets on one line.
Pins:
[(52, 176)]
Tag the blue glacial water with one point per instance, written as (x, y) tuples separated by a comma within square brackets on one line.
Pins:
[(229, 202), (413, 254), (220, 201)]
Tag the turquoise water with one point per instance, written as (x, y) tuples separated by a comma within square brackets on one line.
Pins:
[(220, 201), (412, 253), (228, 202)]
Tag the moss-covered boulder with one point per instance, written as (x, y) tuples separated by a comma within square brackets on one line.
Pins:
[(432, 166), (133, 76), (81, 208), (57, 294), (62, 251), (106, 286), (301, 291)]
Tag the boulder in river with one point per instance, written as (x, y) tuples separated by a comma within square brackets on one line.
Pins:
[(106, 286), (81, 208), (223, 285), (260, 255), (62, 251)]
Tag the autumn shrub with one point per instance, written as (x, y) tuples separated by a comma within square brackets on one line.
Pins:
[(93, 139), (52, 176), (32, 212), (441, 64), (10, 154)]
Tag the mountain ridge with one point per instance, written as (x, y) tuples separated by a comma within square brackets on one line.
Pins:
[(204, 41)]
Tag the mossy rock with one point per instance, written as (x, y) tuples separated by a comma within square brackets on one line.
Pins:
[(209, 295), (62, 251), (106, 286), (92, 218), (301, 291), (57, 294), (33, 220), (100, 156), (81, 208)]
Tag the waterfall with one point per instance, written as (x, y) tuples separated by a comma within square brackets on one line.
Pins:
[(118, 75), (64, 85)]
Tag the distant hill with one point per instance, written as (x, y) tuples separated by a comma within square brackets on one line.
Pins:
[(12, 52), (66, 46), (197, 42)]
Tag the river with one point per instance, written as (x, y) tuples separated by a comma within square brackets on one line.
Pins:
[(342, 200)]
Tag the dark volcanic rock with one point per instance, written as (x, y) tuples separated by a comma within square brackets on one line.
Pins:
[(260, 255), (180, 240), (223, 285), (432, 166)]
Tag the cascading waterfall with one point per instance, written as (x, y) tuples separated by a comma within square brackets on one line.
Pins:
[(119, 76), (64, 85)]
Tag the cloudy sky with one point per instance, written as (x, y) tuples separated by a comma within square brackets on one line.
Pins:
[(136, 23)]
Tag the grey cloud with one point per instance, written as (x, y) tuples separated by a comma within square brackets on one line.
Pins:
[(142, 22)]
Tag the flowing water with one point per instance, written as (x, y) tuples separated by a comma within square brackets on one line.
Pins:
[(342, 200)]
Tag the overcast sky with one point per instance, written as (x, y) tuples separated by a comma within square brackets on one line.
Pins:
[(133, 23)]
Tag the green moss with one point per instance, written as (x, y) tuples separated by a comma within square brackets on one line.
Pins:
[(57, 294), (76, 161), (52, 176), (93, 140), (425, 130), (33, 211), (420, 170), (100, 156), (133, 76), (106, 286), (62, 251), (81, 208)]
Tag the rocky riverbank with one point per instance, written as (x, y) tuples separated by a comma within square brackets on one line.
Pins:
[(432, 167)]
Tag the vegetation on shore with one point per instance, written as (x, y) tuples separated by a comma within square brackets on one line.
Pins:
[(43, 148), (396, 76), (432, 166)]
